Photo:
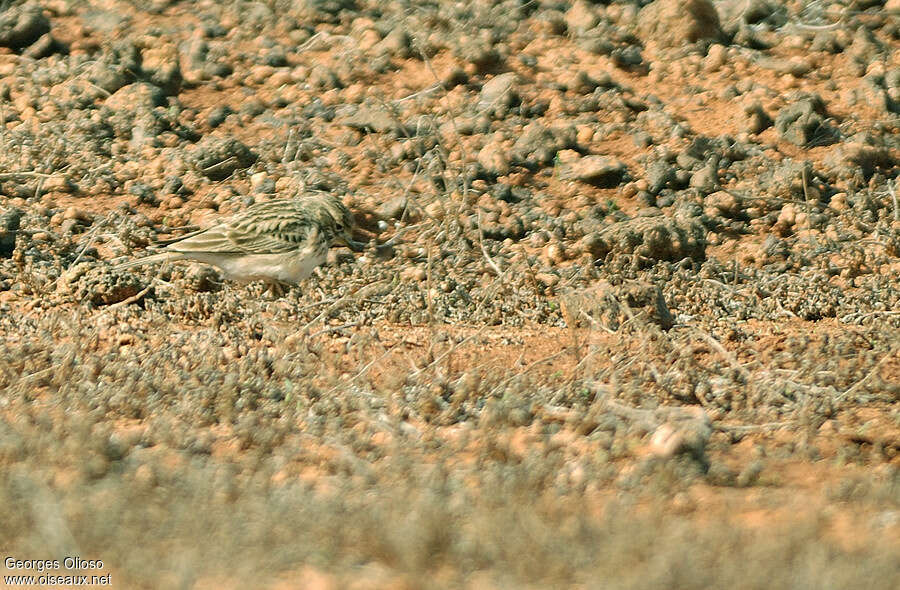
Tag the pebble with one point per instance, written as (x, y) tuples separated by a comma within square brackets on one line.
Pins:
[(602, 171)]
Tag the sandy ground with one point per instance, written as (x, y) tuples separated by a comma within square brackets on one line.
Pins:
[(628, 314)]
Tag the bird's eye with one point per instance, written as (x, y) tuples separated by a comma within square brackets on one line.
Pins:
[(340, 227)]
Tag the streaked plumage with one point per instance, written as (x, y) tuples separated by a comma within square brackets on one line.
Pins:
[(279, 242)]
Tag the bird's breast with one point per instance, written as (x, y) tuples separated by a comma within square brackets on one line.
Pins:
[(289, 267)]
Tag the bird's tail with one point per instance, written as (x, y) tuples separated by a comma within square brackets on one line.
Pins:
[(161, 257)]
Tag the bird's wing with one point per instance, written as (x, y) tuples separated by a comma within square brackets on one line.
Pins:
[(249, 235)]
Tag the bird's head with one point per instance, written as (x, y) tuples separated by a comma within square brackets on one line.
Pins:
[(341, 221)]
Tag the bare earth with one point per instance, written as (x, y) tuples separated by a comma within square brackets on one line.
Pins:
[(628, 316)]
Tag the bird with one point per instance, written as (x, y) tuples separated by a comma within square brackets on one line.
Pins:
[(279, 242)]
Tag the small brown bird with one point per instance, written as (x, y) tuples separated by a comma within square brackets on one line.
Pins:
[(279, 242)]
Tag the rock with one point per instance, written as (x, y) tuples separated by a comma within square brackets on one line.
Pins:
[(538, 145), (324, 10), (116, 67), (218, 115), (787, 218), (196, 63), (138, 97), (786, 180), (601, 171), (611, 306), (757, 120), (581, 83), (414, 274), (706, 179), (323, 78), (716, 57), (369, 119), (660, 175), (674, 23), (397, 44), (161, 66), (628, 58), (547, 279), (9, 226), (435, 210), (581, 17), (850, 156), (796, 66), (88, 283), (494, 158), (203, 278), (479, 55), (45, 46), (59, 183), (76, 214), (723, 203), (393, 208), (654, 236), (666, 442), (258, 180), (20, 26), (735, 13), (275, 57), (803, 123), (556, 253), (217, 158), (498, 93), (865, 47)]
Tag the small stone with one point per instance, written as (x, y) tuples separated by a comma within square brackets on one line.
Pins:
[(666, 442), (323, 78), (716, 57), (581, 83), (585, 134), (435, 210), (498, 91), (599, 171), (581, 17), (555, 253), (479, 55), (161, 66), (706, 179), (9, 226), (803, 123), (855, 155), (393, 208), (138, 96), (547, 279), (76, 214), (674, 23), (257, 180), (413, 273), (217, 158), (757, 120), (538, 145), (494, 158), (397, 43), (787, 217), (20, 26), (144, 476), (58, 183), (43, 47), (723, 203), (372, 119), (838, 202)]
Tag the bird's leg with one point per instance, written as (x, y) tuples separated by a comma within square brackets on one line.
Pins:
[(278, 289)]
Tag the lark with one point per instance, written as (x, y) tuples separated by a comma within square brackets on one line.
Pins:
[(279, 242)]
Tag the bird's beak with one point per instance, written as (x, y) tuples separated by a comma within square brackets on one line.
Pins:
[(351, 243)]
